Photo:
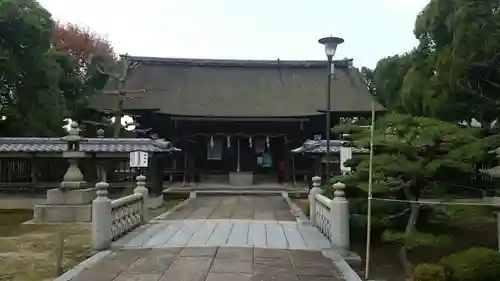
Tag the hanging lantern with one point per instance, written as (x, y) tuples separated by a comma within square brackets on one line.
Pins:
[(228, 141), (212, 141), (267, 142), (250, 142)]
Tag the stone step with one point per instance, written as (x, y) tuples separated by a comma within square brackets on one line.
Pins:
[(263, 187), (238, 189), (239, 192)]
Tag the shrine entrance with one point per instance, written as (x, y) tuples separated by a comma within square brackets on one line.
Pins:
[(235, 152)]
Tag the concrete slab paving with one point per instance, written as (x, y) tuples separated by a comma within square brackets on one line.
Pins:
[(210, 264), (229, 232), (235, 207)]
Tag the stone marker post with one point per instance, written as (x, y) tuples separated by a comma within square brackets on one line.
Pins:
[(312, 200), (495, 202), (339, 218), (142, 189), (101, 219)]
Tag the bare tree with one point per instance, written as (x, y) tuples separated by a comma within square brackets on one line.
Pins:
[(120, 92)]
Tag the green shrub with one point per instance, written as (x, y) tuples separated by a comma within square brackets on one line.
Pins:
[(428, 272), (475, 264)]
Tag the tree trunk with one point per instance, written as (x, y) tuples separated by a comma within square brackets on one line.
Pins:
[(410, 228), (117, 126)]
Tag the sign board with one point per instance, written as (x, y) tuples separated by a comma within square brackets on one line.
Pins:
[(345, 154), (138, 159)]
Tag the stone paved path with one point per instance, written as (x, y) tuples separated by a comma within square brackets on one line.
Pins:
[(235, 207), (219, 239), (241, 233), (212, 264), (233, 221)]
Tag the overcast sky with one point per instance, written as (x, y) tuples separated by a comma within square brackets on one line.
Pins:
[(247, 29)]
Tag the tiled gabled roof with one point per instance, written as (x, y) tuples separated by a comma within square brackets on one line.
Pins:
[(319, 146), (116, 145)]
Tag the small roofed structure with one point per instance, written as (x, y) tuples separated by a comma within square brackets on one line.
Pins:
[(492, 172), (319, 147), (37, 164), (23, 147), (315, 149)]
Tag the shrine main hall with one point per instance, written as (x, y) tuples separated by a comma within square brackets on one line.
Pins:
[(239, 120)]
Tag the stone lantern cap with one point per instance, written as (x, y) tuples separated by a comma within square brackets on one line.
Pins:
[(73, 134), (73, 139), (100, 133)]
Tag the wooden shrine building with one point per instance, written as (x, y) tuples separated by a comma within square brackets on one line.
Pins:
[(237, 121)]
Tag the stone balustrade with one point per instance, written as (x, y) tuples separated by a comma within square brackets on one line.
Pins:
[(126, 213), (330, 216), (111, 219)]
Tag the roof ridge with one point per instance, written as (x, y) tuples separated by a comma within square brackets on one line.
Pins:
[(347, 62)]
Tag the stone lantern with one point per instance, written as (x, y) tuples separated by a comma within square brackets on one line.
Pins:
[(101, 165), (72, 200), (100, 133), (73, 179)]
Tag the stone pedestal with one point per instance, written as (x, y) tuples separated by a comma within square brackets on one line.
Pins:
[(241, 178), (65, 206), (70, 197), (62, 213)]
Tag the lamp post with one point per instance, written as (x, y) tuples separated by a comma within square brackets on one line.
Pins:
[(331, 44)]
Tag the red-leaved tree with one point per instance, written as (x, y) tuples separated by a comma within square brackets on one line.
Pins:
[(82, 44), (79, 52)]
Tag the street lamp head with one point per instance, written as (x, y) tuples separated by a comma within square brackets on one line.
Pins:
[(330, 44)]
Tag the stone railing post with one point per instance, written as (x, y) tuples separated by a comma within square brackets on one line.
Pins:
[(101, 219), (495, 204), (142, 189), (498, 229), (339, 218), (316, 189)]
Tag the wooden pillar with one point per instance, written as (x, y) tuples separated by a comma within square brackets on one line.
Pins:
[(186, 168), (91, 174), (155, 177), (238, 167), (286, 159), (103, 166), (101, 170), (34, 171), (174, 168)]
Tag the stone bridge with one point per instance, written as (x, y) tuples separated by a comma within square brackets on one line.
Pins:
[(222, 238)]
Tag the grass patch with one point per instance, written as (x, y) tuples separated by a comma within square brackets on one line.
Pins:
[(27, 251)]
